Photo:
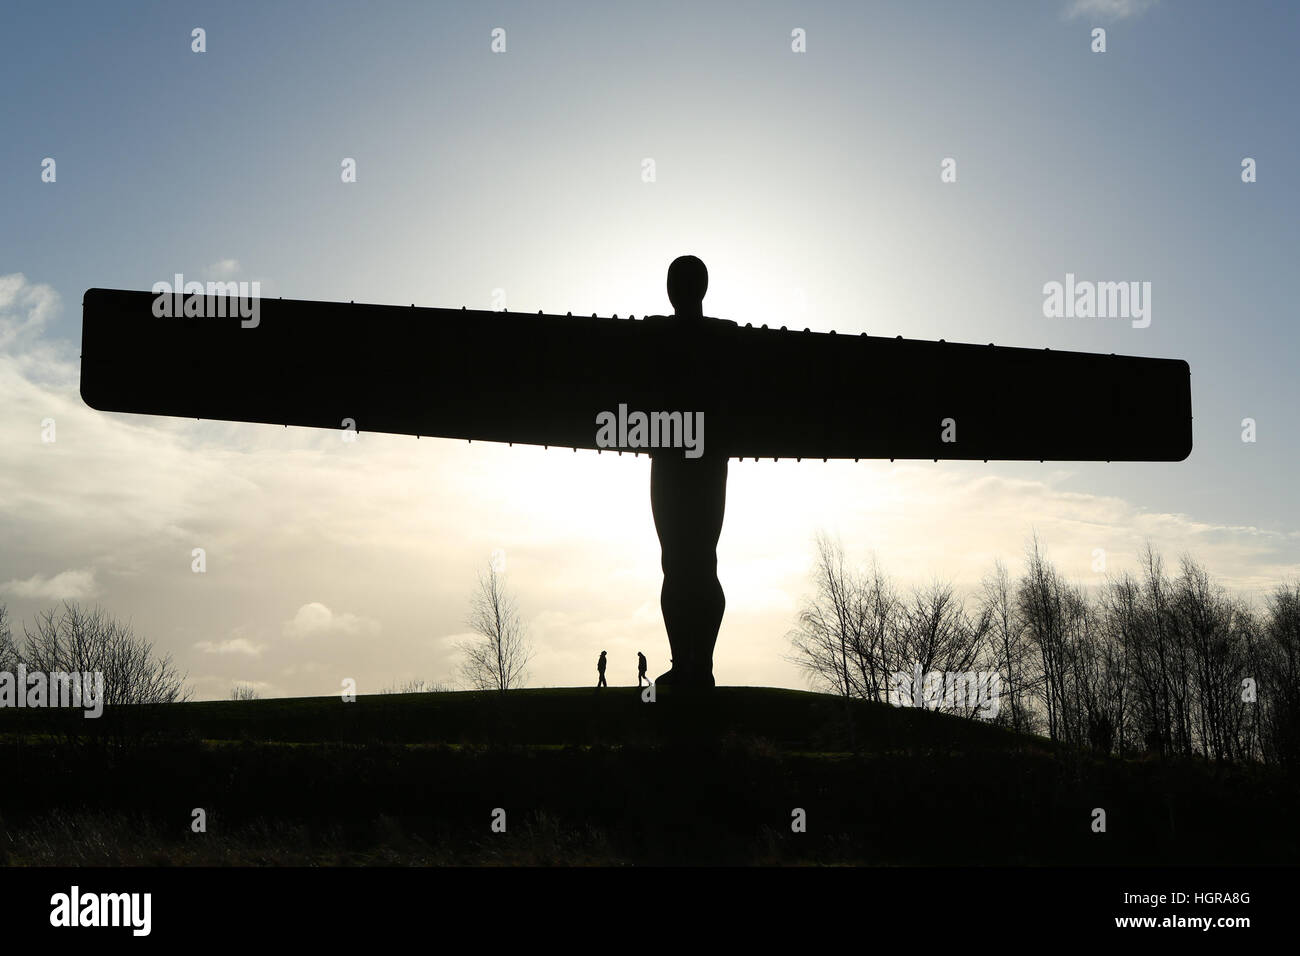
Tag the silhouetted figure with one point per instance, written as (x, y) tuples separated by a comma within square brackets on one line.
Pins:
[(600, 666), (640, 669), (688, 495)]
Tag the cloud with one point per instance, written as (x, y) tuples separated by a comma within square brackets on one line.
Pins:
[(224, 269), (236, 645), (1108, 9), (65, 586), (24, 308), (316, 620)]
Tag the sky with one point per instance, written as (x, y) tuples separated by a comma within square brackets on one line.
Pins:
[(809, 183)]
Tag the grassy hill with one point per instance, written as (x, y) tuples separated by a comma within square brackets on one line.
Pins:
[(601, 777), (790, 719)]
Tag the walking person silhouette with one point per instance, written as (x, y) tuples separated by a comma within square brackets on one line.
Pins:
[(640, 669), (600, 666)]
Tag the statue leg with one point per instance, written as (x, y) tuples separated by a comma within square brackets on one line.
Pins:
[(688, 498)]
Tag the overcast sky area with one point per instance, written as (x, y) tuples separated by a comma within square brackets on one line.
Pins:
[(808, 182)]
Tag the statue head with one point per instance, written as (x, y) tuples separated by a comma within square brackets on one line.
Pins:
[(688, 280)]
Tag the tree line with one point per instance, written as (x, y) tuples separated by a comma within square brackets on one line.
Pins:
[(1149, 662)]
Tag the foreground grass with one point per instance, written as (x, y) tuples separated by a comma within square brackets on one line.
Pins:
[(119, 839)]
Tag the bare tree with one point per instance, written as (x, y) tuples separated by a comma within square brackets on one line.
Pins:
[(830, 625), (76, 639), (935, 634), (245, 692), (1097, 673), (855, 632), (878, 608), (1215, 630), (9, 656), (136, 680), (1010, 648), (1157, 660), (1173, 666), (1277, 673), (417, 686), (498, 658), (1123, 619), (1042, 602)]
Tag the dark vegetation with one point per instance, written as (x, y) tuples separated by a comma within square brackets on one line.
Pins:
[(603, 778), (1153, 662)]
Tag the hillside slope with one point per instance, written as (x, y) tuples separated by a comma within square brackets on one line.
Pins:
[(586, 777)]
